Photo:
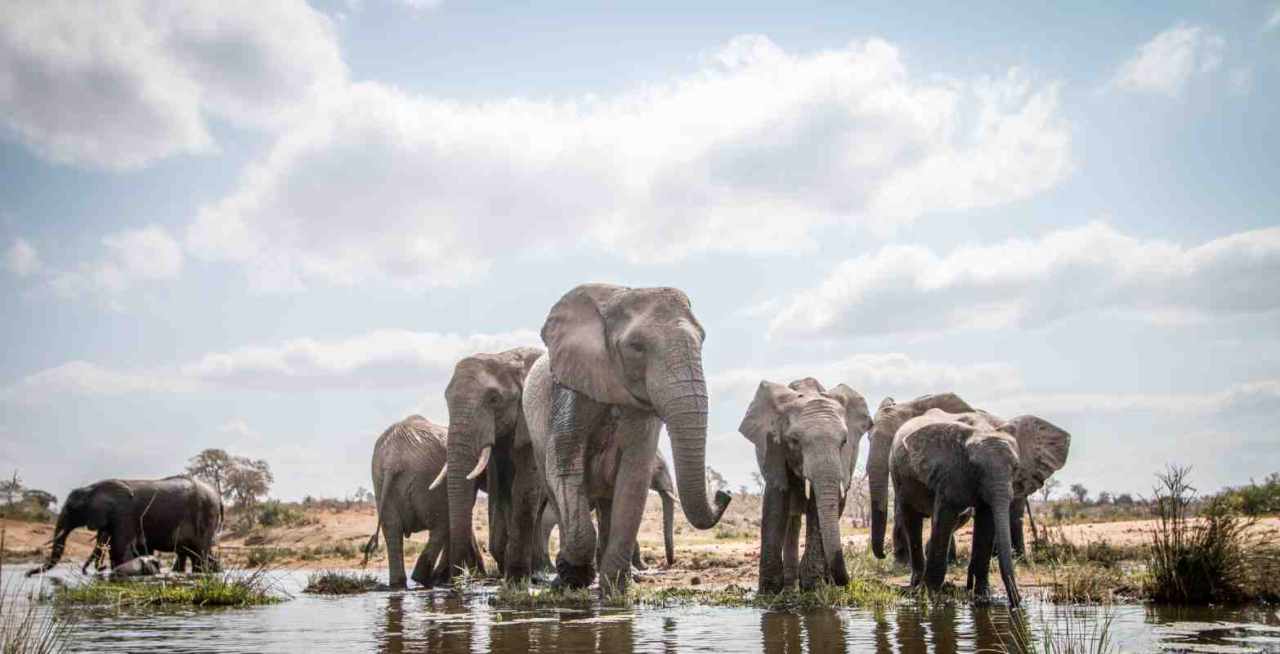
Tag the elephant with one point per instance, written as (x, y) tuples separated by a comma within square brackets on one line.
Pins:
[(407, 458), (805, 436), (488, 436), (889, 417), (943, 463), (138, 517), (142, 566), (620, 363), (660, 483)]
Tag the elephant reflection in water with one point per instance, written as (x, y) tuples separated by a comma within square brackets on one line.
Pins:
[(780, 633), (787, 633), (393, 626)]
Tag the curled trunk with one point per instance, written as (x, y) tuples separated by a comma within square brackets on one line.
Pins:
[(680, 397)]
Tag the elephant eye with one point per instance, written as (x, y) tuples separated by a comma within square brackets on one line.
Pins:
[(635, 346), (494, 397)]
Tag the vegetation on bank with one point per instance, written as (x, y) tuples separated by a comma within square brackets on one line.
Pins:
[(228, 589), (340, 582), (23, 628)]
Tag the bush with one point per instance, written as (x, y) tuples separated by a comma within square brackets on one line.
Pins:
[(261, 556), (1256, 499), (337, 582), (1197, 562), (274, 513), (27, 510)]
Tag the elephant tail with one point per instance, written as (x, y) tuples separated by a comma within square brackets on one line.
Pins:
[(372, 545)]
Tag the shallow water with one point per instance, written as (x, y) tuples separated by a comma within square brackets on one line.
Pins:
[(422, 621)]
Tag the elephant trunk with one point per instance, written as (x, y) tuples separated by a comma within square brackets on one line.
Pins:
[(469, 432), (60, 533), (878, 481), (827, 501), (998, 496), (680, 397), (669, 527)]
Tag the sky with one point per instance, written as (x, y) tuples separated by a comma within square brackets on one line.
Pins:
[(273, 227)]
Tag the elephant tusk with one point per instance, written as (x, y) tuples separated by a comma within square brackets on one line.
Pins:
[(439, 478), (808, 489), (480, 465)]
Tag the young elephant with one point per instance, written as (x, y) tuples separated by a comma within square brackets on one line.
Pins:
[(944, 463), (804, 436), (406, 458)]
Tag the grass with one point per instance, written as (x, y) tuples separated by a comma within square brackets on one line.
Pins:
[(24, 629), (1068, 632), (340, 582), (264, 556), (227, 589)]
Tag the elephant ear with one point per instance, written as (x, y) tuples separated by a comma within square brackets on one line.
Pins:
[(762, 425), (857, 419), (525, 357), (1042, 451), (935, 448), (576, 339), (107, 497)]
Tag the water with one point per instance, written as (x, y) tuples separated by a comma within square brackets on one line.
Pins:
[(421, 621)]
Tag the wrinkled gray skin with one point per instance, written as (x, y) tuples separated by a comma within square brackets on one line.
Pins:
[(804, 435), (141, 516), (406, 458), (943, 463), (888, 419), (485, 411), (621, 362), (660, 483)]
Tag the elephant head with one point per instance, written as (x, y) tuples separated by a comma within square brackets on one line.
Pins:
[(889, 418), (967, 459), (95, 507), (641, 348), (484, 398), (804, 432)]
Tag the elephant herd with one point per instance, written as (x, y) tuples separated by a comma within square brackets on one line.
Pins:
[(569, 436)]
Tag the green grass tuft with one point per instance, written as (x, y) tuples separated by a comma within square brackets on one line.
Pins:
[(216, 590), (340, 582)]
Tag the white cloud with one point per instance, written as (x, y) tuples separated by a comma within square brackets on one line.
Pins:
[(119, 83), (1258, 396), (876, 375), (236, 427), (1273, 21), (386, 358), (1167, 62), (748, 154), (421, 5), (146, 254), (1023, 282), (22, 259)]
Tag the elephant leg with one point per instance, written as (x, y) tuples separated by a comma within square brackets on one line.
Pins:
[(983, 544), (394, 536), (546, 523), (180, 559), (425, 566), (901, 544), (940, 531), (637, 561), (912, 528), (791, 550), (1017, 510), (604, 520), (573, 418), (522, 530), (499, 509), (638, 435), (774, 520)]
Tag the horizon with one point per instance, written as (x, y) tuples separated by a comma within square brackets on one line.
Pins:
[(275, 232)]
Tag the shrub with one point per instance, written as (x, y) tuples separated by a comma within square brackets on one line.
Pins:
[(338, 582), (1196, 562), (1257, 499), (274, 513), (261, 556)]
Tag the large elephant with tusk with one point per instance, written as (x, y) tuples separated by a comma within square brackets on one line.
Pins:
[(620, 363), (489, 442)]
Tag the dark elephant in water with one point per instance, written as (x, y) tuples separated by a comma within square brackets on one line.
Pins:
[(137, 517)]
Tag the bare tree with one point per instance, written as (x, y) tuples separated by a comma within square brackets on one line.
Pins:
[(716, 480), (758, 480), (1080, 492), (212, 465), (11, 488), (1047, 490)]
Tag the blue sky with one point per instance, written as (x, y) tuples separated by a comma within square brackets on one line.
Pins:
[(273, 227)]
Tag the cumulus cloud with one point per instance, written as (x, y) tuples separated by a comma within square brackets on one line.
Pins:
[(146, 254), (876, 375), (1023, 282), (22, 259), (1254, 397), (750, 153), (1167, 62), (119, 83), (421, 5), (383, 358)]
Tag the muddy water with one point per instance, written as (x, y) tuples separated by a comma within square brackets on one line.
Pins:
[(421, 621)]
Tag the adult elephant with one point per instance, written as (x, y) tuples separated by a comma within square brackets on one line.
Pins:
[(407, 457), (660, 483), (621, 362), (805, 437), (140, 516), (488, 436), (943, 463), (889, 417)]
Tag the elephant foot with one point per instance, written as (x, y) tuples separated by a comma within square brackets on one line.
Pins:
[(615, 583), (425, 582), (770, 587), (398, 585), (518, 574), (574, 576)]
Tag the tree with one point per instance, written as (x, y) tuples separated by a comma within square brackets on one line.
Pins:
[(11, 488), (1104, 497), (247, 480), (39, 498), (362, 494), (758, 480), (1080, 492), (212, 465), (1123, 499), (716, 480), (1046, 491)]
